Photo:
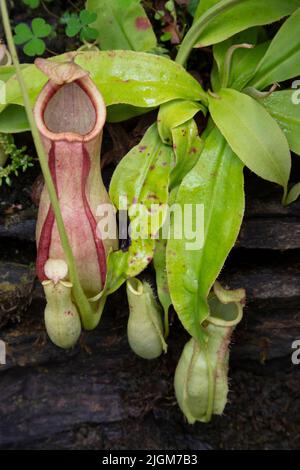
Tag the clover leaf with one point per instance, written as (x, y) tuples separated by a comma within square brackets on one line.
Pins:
[(80, 24), (31, 37)]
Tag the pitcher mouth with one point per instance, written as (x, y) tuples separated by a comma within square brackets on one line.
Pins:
[(52, 107)]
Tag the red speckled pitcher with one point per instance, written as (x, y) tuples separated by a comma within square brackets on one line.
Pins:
[(70, 114)]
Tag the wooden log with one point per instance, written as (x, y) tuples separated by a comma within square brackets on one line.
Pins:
[(270, 234), (272, 315), (91, 396), (268, 225), (271, 321), (99, 395), (19, 226), (16, 285), (262, 233), (270, 288)]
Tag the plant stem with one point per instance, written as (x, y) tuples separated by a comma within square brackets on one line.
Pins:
[(192, 36), (49, 12), (228, 61), (73, 5), (88, 315), (50, 52)]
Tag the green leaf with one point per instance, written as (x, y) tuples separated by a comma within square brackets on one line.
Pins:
[(187, 148), (142, 180), (167, 36), (122, 24), (88, 34), (203, 6), (282, 59), (175, 113), (123, 112), (243, 61), (87, 17), (176, 127), (192, 6), (35, 47), (159, 262), (287, 113), (139, 79), (7, 71), (140, 186), (40, 28), (169, 5), (293, 195), (142, 177), (220, 50), (76, 24), (253, 135), (73, 27), (236, 15), (32, 3), (215, 78), (216, 181), (123, 77), (14, 119), (22, 33), (123, 265)]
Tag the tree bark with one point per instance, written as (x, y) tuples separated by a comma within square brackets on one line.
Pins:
[(99, 395)]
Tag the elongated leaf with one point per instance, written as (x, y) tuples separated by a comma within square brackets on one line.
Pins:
[(173, 114), (282, 59), (117, 268), (122, 112), (159, 261), (281, 106), (14, 119), (140, 180), (187, 148), (216, 181), (203, 6), (7, 71), (139, 79), (228, 17), (142, 176), (127, 77), (192, 6), (244, 64), (215, 77), (140, 184), (243, 61), (294, 194), (220, 50), (253, 135), (122, 24), (177, 127), (160, 264)]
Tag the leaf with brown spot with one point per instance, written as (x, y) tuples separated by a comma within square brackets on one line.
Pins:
[(122, 24)]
